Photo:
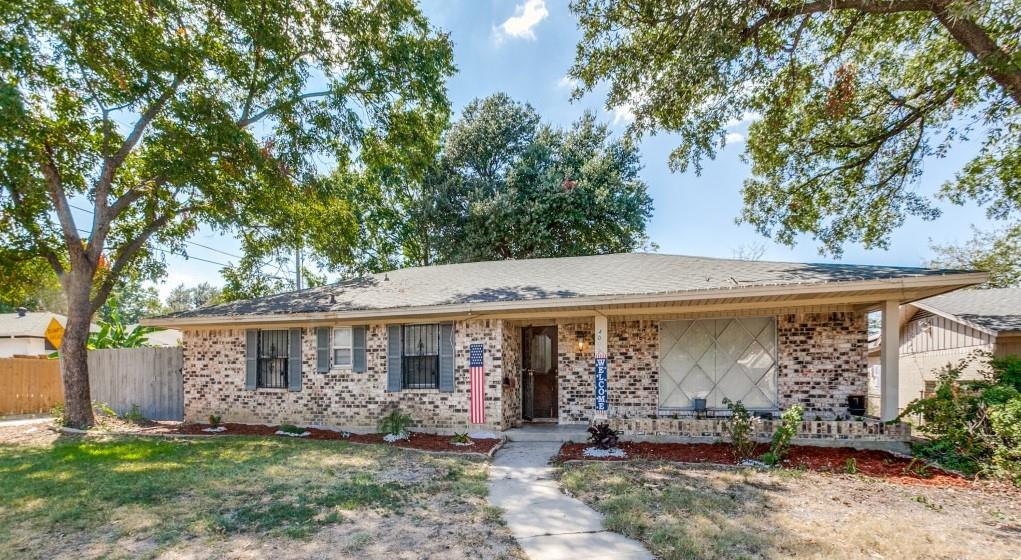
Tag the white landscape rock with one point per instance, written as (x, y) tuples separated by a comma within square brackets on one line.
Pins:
[(292, 434), (215, 430), (597, 453), (390, 438), (483, 434)]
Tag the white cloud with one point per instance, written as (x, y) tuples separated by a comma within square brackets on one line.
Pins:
[(567, 82), (624, 113), (746, 117), (526, 16), (734, 138)]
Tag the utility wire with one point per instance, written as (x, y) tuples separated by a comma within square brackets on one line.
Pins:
[(195, 243)]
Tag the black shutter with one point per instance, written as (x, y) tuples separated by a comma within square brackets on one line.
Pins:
[(251, 359), (393, 358), (446, 358), (358, 360), (323, 349), (294, 360)]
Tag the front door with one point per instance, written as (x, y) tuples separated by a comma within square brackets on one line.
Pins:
[(539, 373)]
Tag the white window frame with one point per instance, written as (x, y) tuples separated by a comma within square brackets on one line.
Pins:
[(334, 347)]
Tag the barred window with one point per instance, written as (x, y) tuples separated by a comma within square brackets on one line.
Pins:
[(420, 357), (272, 372)]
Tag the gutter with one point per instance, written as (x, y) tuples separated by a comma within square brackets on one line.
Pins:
[(950, 282)]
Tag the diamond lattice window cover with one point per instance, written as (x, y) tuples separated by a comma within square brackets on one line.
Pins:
[(716, 359)]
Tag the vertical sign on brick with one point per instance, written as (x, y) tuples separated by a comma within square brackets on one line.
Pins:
[(601, 368)]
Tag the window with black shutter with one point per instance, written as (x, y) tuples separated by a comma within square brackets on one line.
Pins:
[(272, 364), (420, 357)]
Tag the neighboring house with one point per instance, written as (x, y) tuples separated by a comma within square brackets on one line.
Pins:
[(675, 330), (165, 337), (24, 333), (949, 328)]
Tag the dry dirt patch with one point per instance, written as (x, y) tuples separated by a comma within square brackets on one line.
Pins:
[(706, 512)]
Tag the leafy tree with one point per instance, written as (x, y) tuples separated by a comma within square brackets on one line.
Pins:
[(130, 300), (164, 115), (998, 252), (186, 299), (848, 98), (29, 283), (507, 186)]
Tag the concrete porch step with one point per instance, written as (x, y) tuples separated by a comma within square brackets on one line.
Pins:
[(548, 432)]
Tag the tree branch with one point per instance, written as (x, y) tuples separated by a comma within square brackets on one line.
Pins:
[(125, 256), (59, 197), (243, 123), (778, 13), (996, 61), (101, 218)]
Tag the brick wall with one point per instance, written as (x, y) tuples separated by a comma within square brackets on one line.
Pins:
[(214, 383), (822, 358), (511, 394), (576, 390)]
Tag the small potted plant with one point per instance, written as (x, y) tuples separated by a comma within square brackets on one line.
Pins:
[(214, 424)]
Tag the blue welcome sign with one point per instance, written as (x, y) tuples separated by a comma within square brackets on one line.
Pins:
[(602, 392)]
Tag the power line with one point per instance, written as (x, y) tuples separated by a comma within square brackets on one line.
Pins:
[(197, 244)]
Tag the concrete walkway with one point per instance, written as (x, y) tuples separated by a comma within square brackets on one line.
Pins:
[(546, 523)]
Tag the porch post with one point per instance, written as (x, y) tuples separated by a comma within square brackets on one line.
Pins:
[(889, 359), (601, 329)]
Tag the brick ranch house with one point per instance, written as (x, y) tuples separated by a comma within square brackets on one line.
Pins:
[(679, 334)]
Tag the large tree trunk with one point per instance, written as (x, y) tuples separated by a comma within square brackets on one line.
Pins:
[(74, 354)]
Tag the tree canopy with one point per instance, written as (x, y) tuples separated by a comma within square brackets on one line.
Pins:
[(997, 252), (159, 116), (848, 99), (506, 185)]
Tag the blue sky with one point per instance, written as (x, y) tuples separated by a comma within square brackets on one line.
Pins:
[(524, 48)]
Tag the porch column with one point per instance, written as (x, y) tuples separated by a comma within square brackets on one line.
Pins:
[(889, 360), (602, 381)]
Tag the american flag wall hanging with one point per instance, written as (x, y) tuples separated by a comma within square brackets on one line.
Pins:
[(477, 380)]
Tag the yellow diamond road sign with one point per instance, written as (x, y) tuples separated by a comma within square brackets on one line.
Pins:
[(54, 333)]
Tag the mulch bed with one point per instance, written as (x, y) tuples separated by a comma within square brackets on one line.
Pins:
[(876, 464), (417, 440)]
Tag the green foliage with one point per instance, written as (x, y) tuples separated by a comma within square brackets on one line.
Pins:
[(103, 409), (291, 429), (602, 436), (507, 186), (461, 438), (739, 428), (58, 414), (115, 334), (187, 299), (851, 465), (790, 422), (846, 100), (974, 427), (394, 423), (161, 117), (134, 415), (28, 281), (996, 252), (214, 420), (129, 301)]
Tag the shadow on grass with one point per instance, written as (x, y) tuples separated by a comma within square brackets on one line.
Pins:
[(223, 485)]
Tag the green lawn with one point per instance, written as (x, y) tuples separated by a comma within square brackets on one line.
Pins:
[(144, 497)]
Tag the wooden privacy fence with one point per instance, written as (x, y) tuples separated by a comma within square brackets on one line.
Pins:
[(147, 377), (29, 385), (121, 378)]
